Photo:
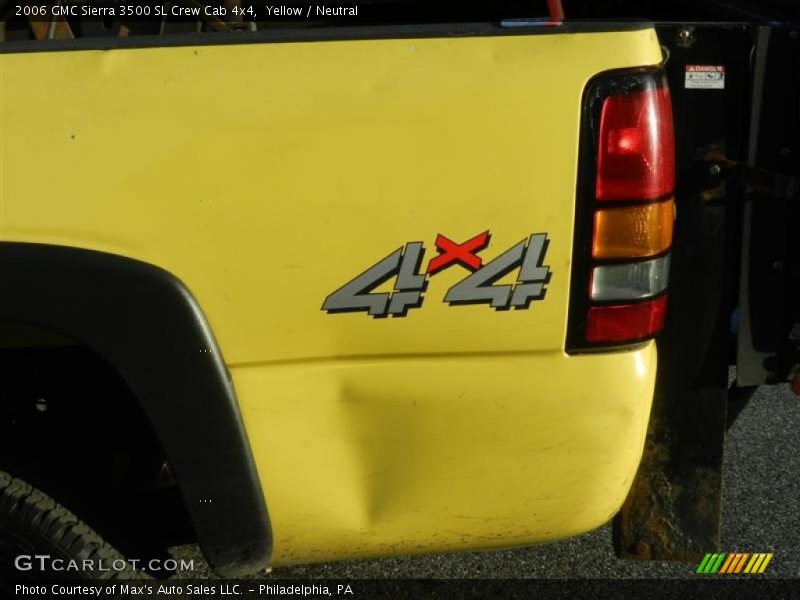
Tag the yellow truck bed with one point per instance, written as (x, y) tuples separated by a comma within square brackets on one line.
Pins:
[(267, 175)]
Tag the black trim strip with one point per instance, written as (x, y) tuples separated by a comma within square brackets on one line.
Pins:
[(610, 303), (632, 260), (321, 34), (637, 202), (147, 325)]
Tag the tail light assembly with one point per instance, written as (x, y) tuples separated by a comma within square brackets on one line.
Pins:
[(625, 212)]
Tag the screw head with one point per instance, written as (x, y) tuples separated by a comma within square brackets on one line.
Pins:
[(715, 170), (685, 37)]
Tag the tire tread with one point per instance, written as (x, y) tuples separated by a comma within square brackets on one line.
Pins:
[(42, 517)]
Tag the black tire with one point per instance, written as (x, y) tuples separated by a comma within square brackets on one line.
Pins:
[(31, 523)]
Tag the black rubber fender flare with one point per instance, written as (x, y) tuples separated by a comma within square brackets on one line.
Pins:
[(147, 325)]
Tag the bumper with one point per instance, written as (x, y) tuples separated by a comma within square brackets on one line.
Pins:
[(377, 457)]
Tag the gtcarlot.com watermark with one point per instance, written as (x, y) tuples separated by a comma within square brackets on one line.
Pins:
[(45, 562)]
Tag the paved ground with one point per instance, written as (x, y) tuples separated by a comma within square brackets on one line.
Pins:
[(762, 490)]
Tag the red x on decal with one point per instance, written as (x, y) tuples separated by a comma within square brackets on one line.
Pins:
[(450, 252)]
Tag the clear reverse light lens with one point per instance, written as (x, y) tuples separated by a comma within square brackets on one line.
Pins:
[(633, 281)]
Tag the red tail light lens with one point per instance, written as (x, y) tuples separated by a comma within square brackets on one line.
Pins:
[(626, 322), (636, 154)]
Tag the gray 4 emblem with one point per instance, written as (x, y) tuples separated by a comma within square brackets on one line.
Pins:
[(477, 288)]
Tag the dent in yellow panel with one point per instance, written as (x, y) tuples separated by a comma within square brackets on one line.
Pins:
[(380, 456)]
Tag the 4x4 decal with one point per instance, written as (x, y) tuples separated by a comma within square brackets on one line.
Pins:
[(477, 288)]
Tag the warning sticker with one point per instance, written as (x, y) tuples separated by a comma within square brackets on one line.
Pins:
[(705, 77)]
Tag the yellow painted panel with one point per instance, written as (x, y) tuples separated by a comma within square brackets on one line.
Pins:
[(375, 457), (266, 176)]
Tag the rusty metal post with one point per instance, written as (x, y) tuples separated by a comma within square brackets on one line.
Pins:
[(674, 507)]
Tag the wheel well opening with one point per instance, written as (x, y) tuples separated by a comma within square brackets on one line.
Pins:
[(70, 426)]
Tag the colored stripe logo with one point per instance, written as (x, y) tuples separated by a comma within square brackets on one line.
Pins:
[(735, 562)]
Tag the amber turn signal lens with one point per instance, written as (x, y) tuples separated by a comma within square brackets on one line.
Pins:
[(633, 231)]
